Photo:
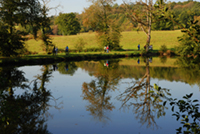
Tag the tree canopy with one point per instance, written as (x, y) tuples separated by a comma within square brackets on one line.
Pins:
[(68, 24), (14, 12)]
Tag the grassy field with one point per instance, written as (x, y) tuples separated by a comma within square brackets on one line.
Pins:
[(129, 40)]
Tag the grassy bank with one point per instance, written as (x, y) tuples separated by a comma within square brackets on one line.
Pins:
[(129, 40), (48, 59)]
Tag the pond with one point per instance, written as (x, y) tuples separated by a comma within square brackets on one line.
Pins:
[(115, 96)]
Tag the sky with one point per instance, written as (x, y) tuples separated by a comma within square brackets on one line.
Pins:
[(78, 6)]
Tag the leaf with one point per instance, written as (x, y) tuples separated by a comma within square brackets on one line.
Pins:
[(164, 103), (173, 109), (171, 103), (189, 96), (179, 130), (166, 9), (195, 100), (151, 91), (196, 22)]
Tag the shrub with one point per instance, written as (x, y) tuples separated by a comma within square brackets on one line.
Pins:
[(163, 48), (80, 44)]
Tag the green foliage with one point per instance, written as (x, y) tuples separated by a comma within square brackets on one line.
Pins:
[(80, 44), (164, 22), (11, 43), (190, 41), (14, 12), (111, 38), (163, 48), (44, 26), (68, 24), (188, 113), (108, 31), (47, 42)]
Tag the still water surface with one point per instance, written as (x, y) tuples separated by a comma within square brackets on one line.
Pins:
[(94, 97)]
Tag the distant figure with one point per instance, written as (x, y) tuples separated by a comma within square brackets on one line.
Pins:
[(138, 46), (54, 50), (107, 63), (107, 49), (138, 61), (66, 68), (55, 67), (150, 59), (104, 48), (145, 47), (151, 47), (66, 49)]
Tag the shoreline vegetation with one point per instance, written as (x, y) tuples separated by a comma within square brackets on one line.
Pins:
[(48, 59), (129, 42)]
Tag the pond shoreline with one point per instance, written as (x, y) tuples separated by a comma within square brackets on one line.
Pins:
[(47, 59)]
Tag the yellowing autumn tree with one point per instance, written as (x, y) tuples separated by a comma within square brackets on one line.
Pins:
[(144, 13), (97, 16)]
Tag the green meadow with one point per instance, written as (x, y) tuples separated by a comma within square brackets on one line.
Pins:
[(129, 40)]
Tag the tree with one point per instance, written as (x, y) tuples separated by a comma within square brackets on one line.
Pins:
[(14, 12), (68, 24), (144, 13), (44, 25), (97, 16), (190, 40)]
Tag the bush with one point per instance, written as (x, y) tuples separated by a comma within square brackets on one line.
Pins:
[(163, 48), (80, 44)]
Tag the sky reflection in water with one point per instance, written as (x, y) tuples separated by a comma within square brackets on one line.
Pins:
[(74, 117)]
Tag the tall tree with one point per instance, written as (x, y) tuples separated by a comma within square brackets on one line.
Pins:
[(143, 13), (14, 12), (44, 25), (68, 24), (97, 16)]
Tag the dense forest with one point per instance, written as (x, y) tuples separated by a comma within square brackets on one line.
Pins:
[(182, 13)]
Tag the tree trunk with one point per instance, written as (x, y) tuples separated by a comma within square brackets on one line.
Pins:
[(149, 21)]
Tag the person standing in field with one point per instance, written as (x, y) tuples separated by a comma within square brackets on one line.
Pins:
[(54, 50), (107, 49), (104, 48), (138, 46), (66, 49)]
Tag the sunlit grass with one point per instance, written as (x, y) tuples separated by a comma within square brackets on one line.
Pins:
[(129, 40)]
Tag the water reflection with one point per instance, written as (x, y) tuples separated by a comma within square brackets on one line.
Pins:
[(147, 105), (189, 69), (101, 83), (67, 68), (28, 111), (97, 91)]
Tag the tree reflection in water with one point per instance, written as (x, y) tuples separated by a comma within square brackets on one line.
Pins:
[(187, 110), (96, 92), (148, 104), (67, 68), (23, 113)]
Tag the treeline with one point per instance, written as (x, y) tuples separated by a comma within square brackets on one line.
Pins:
[(181, 12), (137, 72)]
